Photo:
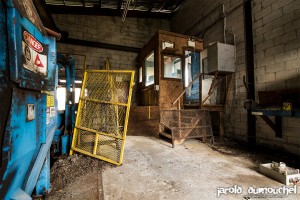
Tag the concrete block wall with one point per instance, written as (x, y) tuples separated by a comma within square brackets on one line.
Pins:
[(276, 32), (208, 25), (134, 32), (276, 29)]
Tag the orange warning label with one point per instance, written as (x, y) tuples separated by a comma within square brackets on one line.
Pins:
[(35, 54)]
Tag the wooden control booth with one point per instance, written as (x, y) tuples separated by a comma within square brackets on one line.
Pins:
[(165, 70), (174, 75)]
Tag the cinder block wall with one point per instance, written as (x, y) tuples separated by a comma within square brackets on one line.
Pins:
[(134, 32), (276, 31)]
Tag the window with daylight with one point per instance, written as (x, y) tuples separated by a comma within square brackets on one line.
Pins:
[(172, 67), (149, 69)]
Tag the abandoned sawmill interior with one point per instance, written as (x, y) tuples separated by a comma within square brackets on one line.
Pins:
[(149, 99)]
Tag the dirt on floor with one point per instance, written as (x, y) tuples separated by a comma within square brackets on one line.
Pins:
[(152, 169), (80, 177), (76, 177), (256, 155)]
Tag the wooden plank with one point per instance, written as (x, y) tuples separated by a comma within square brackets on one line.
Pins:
[(278, 123), (188, 87), (221, 126), (200, 90), (179, 119), (212, 88), (276, 127), (178, 35), (213, 107), (168, 91), (231, 76), (166, 135), (139, 123), (213, 85), (269, 122)]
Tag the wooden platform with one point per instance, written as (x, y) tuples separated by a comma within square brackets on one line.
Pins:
[(141, 123)]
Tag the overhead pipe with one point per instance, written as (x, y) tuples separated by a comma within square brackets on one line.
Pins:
[(48, 21), (251, 120), (53, 33), (224, 15), (224, 23), (234, 43)]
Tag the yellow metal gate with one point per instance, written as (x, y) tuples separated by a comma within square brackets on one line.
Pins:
[(103, 112)]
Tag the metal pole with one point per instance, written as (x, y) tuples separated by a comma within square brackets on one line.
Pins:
[(251, 120)]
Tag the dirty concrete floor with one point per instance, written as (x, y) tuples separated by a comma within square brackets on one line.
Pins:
[(152, 170), (76, 177)]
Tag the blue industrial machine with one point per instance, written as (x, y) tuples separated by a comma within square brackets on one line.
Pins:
[(28, 115), (66, 119)]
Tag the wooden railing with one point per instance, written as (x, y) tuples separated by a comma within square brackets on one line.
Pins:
[(177, 100)]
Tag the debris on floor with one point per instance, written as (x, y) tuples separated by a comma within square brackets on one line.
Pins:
[(68, 174), (280, 172), (157, 171), (257, 155), (192, 171)]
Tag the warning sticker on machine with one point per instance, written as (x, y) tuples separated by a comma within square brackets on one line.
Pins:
[(50, 101), (35, 54), (52, 112)]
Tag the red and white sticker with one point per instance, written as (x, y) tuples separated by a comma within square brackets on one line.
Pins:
[(32, 42), (33, 52)]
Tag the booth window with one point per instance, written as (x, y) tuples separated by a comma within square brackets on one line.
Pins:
[(141, 74), (149, 69), (172, 67)]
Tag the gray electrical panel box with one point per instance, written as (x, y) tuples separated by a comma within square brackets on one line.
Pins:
[(221, 58)]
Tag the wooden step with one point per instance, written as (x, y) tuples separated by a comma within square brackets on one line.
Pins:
[(191, 106), (167, 135), (174, 141)]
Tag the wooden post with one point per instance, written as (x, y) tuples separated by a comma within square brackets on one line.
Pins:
[(221, 126), (179, 118), (200, 90), (204, 122)]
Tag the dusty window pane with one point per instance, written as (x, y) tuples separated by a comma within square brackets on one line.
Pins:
[(140, 75), (149, 69), (172, 67)]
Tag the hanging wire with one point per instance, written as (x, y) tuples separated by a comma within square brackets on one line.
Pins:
[(125, 10)]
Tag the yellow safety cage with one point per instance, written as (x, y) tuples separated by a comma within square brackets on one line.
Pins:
[(103, 113)]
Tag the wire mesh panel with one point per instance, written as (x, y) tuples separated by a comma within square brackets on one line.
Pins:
[(183, 124), (103, 112)]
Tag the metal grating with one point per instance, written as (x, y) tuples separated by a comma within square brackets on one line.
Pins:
[(103, 112), (184, 124)]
